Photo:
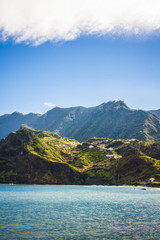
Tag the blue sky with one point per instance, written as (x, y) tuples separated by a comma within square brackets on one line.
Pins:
[(86, 70)]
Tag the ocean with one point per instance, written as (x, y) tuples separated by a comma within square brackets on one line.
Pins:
[(79, 212)]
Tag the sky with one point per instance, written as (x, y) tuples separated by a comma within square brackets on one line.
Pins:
[(78, 53)]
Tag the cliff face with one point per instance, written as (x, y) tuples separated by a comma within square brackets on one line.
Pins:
[(39, 157)]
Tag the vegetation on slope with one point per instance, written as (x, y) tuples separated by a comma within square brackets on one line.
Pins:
[(110, 120), (26, 158), (29, 156)]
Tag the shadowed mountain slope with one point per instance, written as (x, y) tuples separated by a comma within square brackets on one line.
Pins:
[(156, 112), (111, 120), (11, 122)]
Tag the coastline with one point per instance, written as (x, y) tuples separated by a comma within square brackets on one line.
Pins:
[(150, 185)]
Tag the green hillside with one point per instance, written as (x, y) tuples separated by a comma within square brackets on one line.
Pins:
[(29, 156)]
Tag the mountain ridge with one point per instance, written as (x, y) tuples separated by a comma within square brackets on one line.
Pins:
[(113, 119), (156, 112), (11, 122)]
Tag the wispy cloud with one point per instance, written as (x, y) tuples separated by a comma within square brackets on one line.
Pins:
[(38, 21), (49, 104)]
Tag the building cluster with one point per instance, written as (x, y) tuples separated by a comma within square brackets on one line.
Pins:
[(112, 156), (67, 144), (107, 149)]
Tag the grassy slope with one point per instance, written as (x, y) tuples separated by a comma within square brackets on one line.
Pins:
[(26, 158), (129, 165), (44, 157)]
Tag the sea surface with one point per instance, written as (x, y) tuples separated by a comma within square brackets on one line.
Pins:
[(79, 212)]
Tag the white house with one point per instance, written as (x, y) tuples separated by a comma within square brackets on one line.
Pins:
[(91, 146), (109, 155), (110, 149)]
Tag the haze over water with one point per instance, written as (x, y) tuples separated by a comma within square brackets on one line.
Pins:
[(79, 212)]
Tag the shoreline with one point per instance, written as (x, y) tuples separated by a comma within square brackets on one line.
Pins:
[(150, 185)]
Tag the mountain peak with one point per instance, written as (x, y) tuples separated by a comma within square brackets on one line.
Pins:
[(25, 126), (121, 104), (113, 105)]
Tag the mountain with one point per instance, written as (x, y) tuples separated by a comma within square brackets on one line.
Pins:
[(62, 120), (11, 122), (112, 120), (156, 112), (27, 158), (41, 157)]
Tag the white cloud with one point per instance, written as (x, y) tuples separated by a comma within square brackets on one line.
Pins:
[(38, 21), (49, 104)]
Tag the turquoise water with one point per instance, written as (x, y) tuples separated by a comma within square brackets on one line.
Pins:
[(79, 212)]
